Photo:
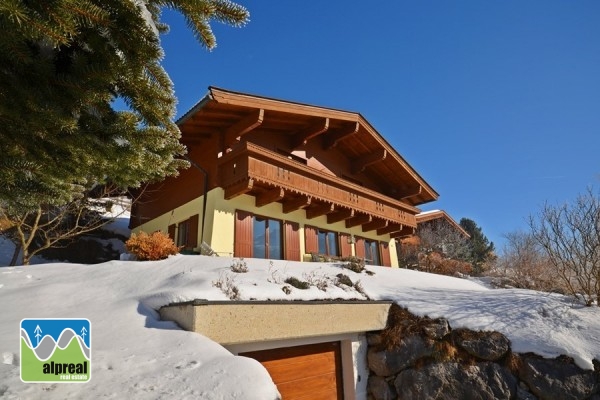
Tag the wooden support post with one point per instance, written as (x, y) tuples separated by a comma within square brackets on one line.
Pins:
[(375, 224), (234, 133), (317, 211), (363, 162), (358, 220), (302, 137), (331, 139), (269, 196), (296, 204), (403, 232), (392, 227), (340, 215), (239, 188)]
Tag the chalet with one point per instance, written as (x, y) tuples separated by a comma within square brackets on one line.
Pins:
[(277, 179), (435, 219)]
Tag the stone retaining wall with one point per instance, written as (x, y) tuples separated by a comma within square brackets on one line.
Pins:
[(422, 358)]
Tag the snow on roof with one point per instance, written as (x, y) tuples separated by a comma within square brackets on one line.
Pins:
[(134, 354)]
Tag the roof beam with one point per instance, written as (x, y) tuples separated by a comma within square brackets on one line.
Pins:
[(332, 139), (235, 132), (302, 137), (319, 210), (403, 232), (340, 215), (239, 188), (296, 204), (358, 220), (412, 192), (375, 224), (363, 162), (392, 227), (269, 196)]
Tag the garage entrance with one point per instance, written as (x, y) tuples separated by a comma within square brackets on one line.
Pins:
[(304, 372)]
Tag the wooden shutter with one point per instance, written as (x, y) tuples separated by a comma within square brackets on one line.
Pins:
[(359, 248), (171, 231), (384, 250), (192, 239), (311, 240), (292, 241), (345, 246), (243, 242)]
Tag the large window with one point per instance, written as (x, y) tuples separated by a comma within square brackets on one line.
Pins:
[(328, 242), (267, 238), (262, 237)]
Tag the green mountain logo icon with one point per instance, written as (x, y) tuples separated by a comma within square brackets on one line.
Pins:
[(62, 355)]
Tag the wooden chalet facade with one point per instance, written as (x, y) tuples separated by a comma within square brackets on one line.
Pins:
[(282, 180)]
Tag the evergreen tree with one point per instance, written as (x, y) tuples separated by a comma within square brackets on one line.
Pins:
[(481, 249), (63, 63)]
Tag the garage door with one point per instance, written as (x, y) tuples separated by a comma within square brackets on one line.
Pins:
[(304, 372)]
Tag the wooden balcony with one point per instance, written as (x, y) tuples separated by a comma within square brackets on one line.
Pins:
[(271, 177)]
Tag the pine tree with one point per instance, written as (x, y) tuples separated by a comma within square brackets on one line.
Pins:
[(481, 249), (63, 63)]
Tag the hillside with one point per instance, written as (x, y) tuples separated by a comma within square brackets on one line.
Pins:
[(136, 354)]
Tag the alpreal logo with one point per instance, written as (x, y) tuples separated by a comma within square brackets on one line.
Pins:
[(56, 350)]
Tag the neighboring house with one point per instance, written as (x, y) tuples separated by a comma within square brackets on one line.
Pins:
[(435, 219), (281, 180), (438, 238)]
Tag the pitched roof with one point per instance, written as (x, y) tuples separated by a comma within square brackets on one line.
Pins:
[(432, 215), (347, 131)]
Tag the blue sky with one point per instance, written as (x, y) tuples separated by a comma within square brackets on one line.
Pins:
[(495, 103)]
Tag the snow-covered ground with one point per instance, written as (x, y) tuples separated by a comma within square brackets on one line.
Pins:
[(135, 355)]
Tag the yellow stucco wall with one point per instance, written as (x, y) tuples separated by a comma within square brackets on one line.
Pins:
[(220, 223)]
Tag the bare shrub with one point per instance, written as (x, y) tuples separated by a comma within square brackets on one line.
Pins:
[(570, 237), (436, 263), (239, 266), (297, 283), (343, 280), (524, 264), (151, 247), (355, 264), (319, 280), (226, 283)]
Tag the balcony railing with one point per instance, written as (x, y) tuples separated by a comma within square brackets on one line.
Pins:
[(253, 165)]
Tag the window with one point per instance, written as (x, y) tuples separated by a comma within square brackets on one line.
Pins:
[(267, 242), (372, 252), (183, 231), (262, 237), (187, 232), (328, 242)]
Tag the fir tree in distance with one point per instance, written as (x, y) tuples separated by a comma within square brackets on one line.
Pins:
[(63, 63), (481, 249)]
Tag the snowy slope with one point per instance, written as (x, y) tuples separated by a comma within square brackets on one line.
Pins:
[(137, 356)]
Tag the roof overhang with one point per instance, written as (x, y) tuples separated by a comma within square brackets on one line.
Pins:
[(233, 114)]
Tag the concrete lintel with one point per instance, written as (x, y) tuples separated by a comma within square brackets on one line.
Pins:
[(230, 323)]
